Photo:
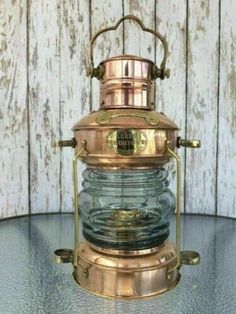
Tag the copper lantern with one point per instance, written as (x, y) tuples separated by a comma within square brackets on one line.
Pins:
[(125, 203)]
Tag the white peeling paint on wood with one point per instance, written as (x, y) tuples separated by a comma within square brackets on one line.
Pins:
[(202, 105), (105, 13), (226, 190), (75, 86), (44, 105), (170, 93), (137, 42), (13, 109)]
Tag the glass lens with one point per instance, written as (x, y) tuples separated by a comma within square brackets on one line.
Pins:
[(126, 209)]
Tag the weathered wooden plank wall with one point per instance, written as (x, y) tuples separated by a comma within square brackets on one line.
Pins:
[(202, 94), (14, 183), (171, 93), (74, 88), (44, 106), (43, 91), (103, 14), (226, 174)]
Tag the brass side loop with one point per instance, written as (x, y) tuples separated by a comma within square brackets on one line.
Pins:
[(190, 258), (161, 72), (63, 256)]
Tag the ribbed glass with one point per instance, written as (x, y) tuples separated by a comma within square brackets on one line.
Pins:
[(126, 209)]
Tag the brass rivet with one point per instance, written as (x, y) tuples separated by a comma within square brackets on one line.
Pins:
[(168, 276), (85, 274)]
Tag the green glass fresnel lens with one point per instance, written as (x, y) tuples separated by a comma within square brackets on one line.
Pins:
[(126, 209), (125, 203)]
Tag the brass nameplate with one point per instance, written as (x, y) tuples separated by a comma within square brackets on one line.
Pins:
[(127, 141)]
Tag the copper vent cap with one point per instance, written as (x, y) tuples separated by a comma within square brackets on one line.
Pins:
[(126, 83)]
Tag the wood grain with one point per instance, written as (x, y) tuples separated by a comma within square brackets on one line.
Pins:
[(202, 105), (74, 85), (105, 13), (44, 110), (13, 109), (226, 190), (137, 42), (170, 93)]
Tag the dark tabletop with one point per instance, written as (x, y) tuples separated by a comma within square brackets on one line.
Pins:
[(32, 283)]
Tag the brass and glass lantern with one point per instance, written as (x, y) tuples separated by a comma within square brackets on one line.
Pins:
[(125, 204)]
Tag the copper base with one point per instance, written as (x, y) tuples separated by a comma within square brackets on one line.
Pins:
[(127, 274)]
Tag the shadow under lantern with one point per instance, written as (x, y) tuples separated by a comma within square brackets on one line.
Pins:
[(125, 204)]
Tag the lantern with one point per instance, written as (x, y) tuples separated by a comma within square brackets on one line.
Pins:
[(125, 204)]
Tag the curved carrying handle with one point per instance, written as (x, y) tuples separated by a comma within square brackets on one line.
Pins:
[(161, 72)]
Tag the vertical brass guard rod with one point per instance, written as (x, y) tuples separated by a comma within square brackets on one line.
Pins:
[(178, 198), (76, 201)]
